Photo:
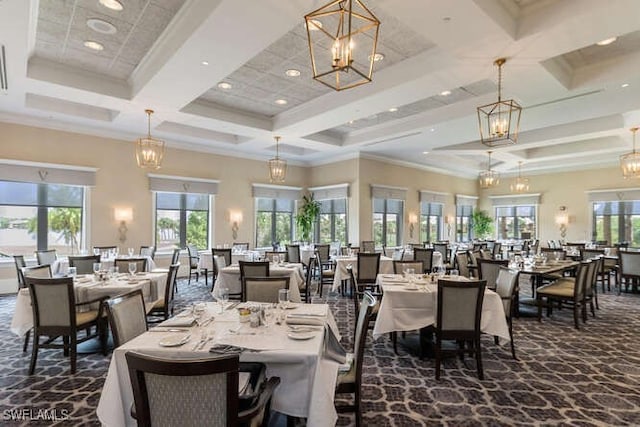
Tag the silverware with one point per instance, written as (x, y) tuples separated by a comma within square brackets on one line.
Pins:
[(160, 329), (232, 306)]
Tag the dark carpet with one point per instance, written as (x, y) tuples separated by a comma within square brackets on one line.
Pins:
[(563, 376)]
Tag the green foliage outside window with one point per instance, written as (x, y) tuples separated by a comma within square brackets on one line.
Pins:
[(197, 228)]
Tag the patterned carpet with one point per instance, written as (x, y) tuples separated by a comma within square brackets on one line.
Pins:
[(589, 377)]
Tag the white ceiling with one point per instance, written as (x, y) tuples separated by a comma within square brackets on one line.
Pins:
[(577, 114)]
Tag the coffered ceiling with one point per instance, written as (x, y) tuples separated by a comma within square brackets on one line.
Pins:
[(215, 71)]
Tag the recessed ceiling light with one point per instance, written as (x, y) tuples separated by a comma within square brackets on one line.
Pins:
[(101, 26), (292, 72), (606, 41), (224, 85), (112, 4), (205, 62), (624, 85), (445, 93), (425, 152), (351, 122), (93, 45), (315, 25), (432, 129), (393, 109), (281, 101), (376, 57)]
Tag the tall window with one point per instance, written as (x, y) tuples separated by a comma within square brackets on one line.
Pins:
[(274, 221), (41, 216), (430, 221), (463, 222), (332, 222), (181, 218), (617, 222), (387, 222), (512, 221)]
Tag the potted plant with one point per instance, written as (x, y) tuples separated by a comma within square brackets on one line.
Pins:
[(307, 216), (482, 224)]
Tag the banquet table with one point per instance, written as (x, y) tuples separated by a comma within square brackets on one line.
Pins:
[(60, 266), (86, 288), (229, 277), (307, 378), (408, 308), (386, 266)]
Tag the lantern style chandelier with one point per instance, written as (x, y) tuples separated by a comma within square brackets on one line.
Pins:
[(277, 166), (520, 184), (342, 36), (630, 162), (489, 178), (499, 121), (149, 151)]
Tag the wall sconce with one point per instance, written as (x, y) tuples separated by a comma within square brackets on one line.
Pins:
[(122, 215), (235, 218), (562, 220), (413, 220)]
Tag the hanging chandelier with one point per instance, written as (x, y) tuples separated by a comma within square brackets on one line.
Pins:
[(520, 184), (499, 121), (630, 162), (342, 36), (149, 151), (489, 178), (277, 166)]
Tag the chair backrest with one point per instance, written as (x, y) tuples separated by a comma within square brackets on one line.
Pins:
[(486, 254), (225, 253), (488, 270), (443, 248), (345, 250), (323, 252), (185, 392), (496, 251), (293, 253), (46, 257), (169, 287), (53, 303), (365, 312), (478, 245), (41, 271), (254, 269), (462, 263), (459, 308), (269, 255), (175, 256), (368, 267), (127, 316), (416, 245), (398, 254), (84, 263), (149, 251), (533, 247), (553, 253), (20, 264), (400, 267), (506, 286), (586, 254), (193, 255), (123, 264), (263, 289), (425, 256), (243, 246), (583, 275), (368, 246)]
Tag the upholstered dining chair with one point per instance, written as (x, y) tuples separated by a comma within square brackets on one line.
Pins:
[(326, 269), (225, 253), (462, 263), (55, 314), (193, 392), (127, 316), (46, 257), (293, 253), (254, 269), (399, 267), (263, 289), (496, 251), (83, 263), (20, 265), (368, 246), (350, 380), (604, 273), (271, 255), (459, 310), (40, 271), (443, 248), (324, 254), (123, 264), (507, 288), (424, 255), (243, 246), (488, 270), (629, 270), (194, 259), (368, 268), (149, 251), (163, 307)]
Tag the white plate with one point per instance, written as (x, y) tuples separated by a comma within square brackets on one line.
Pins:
[(174, 340), (301, 335)]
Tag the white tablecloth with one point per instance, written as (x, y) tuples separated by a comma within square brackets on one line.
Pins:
[(307, 379), (206, 259), (152, 285), (229, 277), (386, 266), (407, 310), (60, 267)]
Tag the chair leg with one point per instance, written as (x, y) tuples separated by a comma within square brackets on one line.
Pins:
[(576, 316), (65, 341), (438, 358), (34, 352), (74, 355), (478, 351), (26, 341), (513, 346), (356, 404)]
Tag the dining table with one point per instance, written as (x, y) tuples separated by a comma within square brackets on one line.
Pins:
[(229, 277), (205, 261), (60, 267), (294, 353), (88, 287), (410, 303)]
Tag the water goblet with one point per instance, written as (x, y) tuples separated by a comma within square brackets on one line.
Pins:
[(130, 252), (96, 251), (132, 268), (223, 298), (96, 267), (283, 297), (454, 272), (72, 272)]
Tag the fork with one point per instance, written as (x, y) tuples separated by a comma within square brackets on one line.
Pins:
[(203, 339)]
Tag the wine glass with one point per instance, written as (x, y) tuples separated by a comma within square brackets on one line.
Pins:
[(132, 268), (96, 267), (283, 297), (223, 298), (130, 252)]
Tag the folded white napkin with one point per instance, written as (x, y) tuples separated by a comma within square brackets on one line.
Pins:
[(293, 319), (179, 321), (319, 310)]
